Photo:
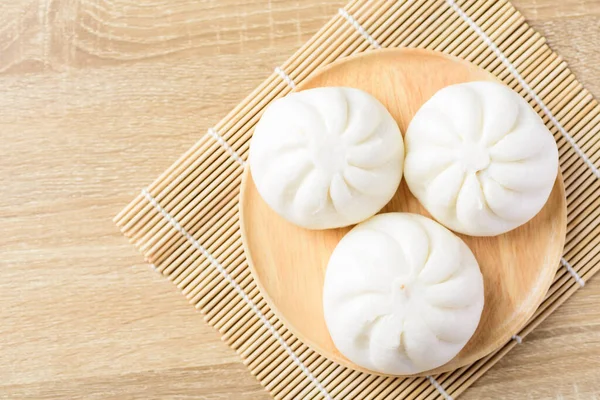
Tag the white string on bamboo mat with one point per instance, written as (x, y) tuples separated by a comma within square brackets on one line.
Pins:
[(517, 339), (215, 263), (219, 139), (285, 77), (359, 28), (439, 388), (573, 273)]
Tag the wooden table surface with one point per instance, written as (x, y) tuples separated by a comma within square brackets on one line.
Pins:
[(97, 97)]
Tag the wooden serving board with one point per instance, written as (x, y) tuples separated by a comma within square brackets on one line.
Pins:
[(289, 262)]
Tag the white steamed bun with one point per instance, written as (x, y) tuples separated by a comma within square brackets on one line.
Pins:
[(326, 157), (402, 294), (480, 159)]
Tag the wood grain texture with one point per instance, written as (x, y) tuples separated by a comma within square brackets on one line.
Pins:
[(98, 97), (289, 262)]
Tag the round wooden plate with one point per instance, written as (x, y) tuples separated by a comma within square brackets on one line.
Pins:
[(289, 262)]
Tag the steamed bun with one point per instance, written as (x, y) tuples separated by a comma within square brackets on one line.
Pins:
[(480, 159), (402, 294), (326, 157)]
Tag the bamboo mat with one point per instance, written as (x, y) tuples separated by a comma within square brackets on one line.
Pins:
[(186, 221)]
